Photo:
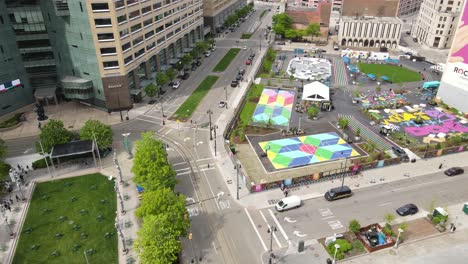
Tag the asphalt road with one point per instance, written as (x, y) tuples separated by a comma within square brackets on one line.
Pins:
[(319, 218)]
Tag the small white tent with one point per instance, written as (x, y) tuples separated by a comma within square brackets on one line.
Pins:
[(316, 91)]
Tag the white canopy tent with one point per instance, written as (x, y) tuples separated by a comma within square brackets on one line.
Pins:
[(316, 91)]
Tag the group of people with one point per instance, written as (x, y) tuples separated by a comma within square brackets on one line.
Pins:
[(7, 203)]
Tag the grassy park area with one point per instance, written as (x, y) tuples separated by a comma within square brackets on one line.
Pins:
[(251, 103), (67, 218), (226, 60), (188, 107), (246, 35), (396, 73)]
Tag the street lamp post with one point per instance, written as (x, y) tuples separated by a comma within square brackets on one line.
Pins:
[(237, 167), (117, 165), (300, 118), (209, 112), (270, 230), (214, 128), (344, 172), (119, 195), (127, 146), (226, 90), (162, 112), (119, 231), (398, 237), (336, 250)]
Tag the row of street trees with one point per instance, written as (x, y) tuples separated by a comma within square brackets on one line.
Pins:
[(164, 215), (168, 76), (230, 20), (54, 133), (282, 25)]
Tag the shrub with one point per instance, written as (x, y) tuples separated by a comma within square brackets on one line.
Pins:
[(345, 246), (343, 122), (436, 220), (358, 246), (388, 230), (312, 111), (4, 169), (40, 163), (354, 226), (12, 121)]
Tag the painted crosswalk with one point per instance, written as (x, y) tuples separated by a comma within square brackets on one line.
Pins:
[(335, 224)]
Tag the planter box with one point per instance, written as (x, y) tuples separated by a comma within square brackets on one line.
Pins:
[(361, 236)]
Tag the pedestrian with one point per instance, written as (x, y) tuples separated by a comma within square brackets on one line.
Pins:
[(286, 192), (11, 200), (440, 166), (17, 198), (27, 167), (19, 167), (21, 178), (9, 208), (40, 126), (282, 187)]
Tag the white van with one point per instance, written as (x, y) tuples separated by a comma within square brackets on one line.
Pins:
[(288, 203)]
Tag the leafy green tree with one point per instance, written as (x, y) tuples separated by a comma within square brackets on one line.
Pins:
[(53, 133), (3, 149), (186, 60), (354, 226), (171, 74), (281, 23), (313, 30), (151, 90), (157, 240), (202, 46), (290, 34), (150, 166), (165, 201), (161, 79), (102, 132)]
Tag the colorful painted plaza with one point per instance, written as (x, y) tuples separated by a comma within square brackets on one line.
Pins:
[(305, 150), (274, 107)]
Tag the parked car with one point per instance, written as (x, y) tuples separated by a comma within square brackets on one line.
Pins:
[(415, 39), (222, 104), (287, 203), (175, 85), (213, 48), (207, 53), (407, 209), (185, 76), (194, 66), (234, 83), (252, 55), (242, 72), (336, 47), (198, 63), (248, 62), (238, 77), (398, 151), (280, 43), (338, 193), (454, 171), (244, 47)]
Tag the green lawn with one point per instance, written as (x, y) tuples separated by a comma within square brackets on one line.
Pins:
[(189, 106), (249, 107), (396, 74), (246, 35), (226, 60), (263, 13), (93, 193)]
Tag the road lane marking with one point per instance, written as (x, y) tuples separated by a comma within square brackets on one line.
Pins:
[(278, 225), (207, 169), (325, 212), (335, 224), (170, 129), (180, 163), (420, 184), (256, 231), (183, 169), (384, 204), (183, 173), (328, 217), (203, 159), (274, 235)]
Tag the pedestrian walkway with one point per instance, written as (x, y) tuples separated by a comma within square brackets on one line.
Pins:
[(340, 75), (366, 133)]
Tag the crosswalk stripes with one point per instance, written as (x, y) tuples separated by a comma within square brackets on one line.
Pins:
[(193, 211), (325, 212), (335, 224)]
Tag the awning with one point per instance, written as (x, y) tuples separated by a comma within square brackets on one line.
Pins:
[(72, 148), (433, 84), (385, 78), (45, 93)]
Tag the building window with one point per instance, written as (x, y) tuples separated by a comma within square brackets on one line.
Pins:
[(145, 10), (167, 2), (100, 7), (124, 32), (110, 64), (126, 46), (147, 22), (136, 28), (105, 36), (139, 53), (157, 5), (159, 29), (151, 46), (161, 40), (168, 24), (122, 18), (158, 17), (137, 40), (119, 3), (108, 51), (128, 59), (134, 14), (149, 34), (103, 22), (129, 2)]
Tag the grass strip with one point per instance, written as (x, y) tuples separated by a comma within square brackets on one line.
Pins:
[(226, 60), (188, 107)]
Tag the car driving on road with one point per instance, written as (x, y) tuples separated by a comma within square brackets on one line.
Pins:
[(454, 171), (176, 85), (407, 209)]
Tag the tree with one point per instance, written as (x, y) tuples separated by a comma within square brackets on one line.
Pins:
[(161, 79), (151, 90), (313, 111), (165, 201), (202, 46), (3, 149), (186, 60), (290, 34), (53, 133), (158, 241), (281, 23), (354, 226), (313, 30), (102, 132), (152, 171), (171, 74)]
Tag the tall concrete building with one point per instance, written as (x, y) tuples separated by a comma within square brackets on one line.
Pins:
[(436, 22), (409, 7), (99, 52), (215, 12)]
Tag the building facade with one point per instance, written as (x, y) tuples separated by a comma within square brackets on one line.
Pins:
[(215, 12), (409, 7), (370, 32), (303, 3), (436, 22), (99, 52)]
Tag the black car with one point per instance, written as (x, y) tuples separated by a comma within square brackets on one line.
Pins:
[(194, 67), (407, 209), (398, 151), (234, 83), (454, 171), (280, 43), (185, 76), (198, 63), (242, 72), (238, 77), (252, 55)]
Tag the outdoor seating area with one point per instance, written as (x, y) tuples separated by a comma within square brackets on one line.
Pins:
[(307, 68)]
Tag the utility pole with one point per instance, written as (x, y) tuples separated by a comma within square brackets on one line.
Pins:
[(344, 172), (162, 112), (209, 112), (271, 230), (238, 166), (119, 230), (214, 128)]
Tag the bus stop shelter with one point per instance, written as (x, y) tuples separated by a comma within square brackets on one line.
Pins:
[(74, 148)]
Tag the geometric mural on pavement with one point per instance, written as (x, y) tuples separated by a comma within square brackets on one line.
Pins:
[(274, 105), (305, 150)]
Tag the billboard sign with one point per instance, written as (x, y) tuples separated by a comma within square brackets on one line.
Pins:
[(9, 85)]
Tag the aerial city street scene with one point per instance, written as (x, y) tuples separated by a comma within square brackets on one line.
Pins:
[(233, 131)]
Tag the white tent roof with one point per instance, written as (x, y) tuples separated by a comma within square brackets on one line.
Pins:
[(316, 91)]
